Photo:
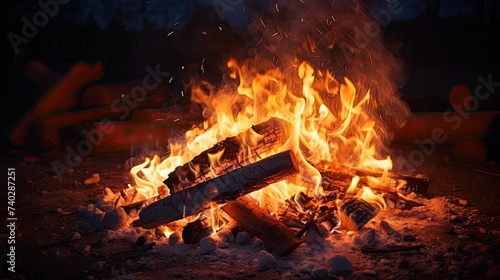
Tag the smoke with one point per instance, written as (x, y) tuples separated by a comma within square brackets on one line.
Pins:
[(339, 37)]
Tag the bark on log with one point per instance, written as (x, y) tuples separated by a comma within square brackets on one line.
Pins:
[(227, 187), (355, 213), (271, 134), (342, 176), (266, 227)]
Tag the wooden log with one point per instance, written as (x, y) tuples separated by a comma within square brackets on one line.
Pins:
[(40, 74), (342, 175), (101, 95), (260, 223), (47, 129), (453, 125), (355, 213), (71, 104), (269, 135), (193, 232), (53, 99), (220, 190)]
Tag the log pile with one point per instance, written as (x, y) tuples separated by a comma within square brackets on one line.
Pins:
[(194, 192), (219, 190), (74, 107)]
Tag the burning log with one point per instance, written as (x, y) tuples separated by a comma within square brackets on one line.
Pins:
[(266, 227), (269, 134), (56, 97), (220, 190), (343, 175), (40, 74), (355, 213)]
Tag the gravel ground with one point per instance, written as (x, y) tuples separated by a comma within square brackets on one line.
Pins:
[(457, 227)]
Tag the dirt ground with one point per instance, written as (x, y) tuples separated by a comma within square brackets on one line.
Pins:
[(47, 219)]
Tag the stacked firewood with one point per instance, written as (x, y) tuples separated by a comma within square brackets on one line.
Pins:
[(118, 114)]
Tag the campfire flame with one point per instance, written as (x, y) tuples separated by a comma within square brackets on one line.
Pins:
[(335, 118)]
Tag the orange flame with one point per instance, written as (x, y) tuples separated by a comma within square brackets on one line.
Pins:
[(346, 135)]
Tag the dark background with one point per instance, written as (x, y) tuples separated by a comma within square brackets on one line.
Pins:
[(443, 44)]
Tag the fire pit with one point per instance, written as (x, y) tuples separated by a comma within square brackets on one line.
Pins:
[(283, 169)]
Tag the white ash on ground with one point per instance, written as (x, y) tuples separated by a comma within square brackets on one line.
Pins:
[(443, 239)]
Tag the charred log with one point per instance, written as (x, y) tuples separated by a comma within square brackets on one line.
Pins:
[(227, 187), (260, 223), (236, 151), (341, 176), (193, 232), (355, 213)]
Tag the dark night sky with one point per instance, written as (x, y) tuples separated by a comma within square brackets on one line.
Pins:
[(443, 43)]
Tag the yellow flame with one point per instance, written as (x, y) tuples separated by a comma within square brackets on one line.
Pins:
[(367, 194), (335, 126), (354, 184)]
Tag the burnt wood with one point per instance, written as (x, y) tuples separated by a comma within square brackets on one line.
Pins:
[(341, 176), (240, 150), (227, 187), (193, 232), (260, 223), (355, 213)]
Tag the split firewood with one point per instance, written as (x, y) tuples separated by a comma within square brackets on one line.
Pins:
[(80, 75), (40, 74), (260, 223), (341, 176), (236, 151), (47, 128), (45, 78), (101, 95), (220, 190), (193, 232), (408, 203), (355, 213)]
